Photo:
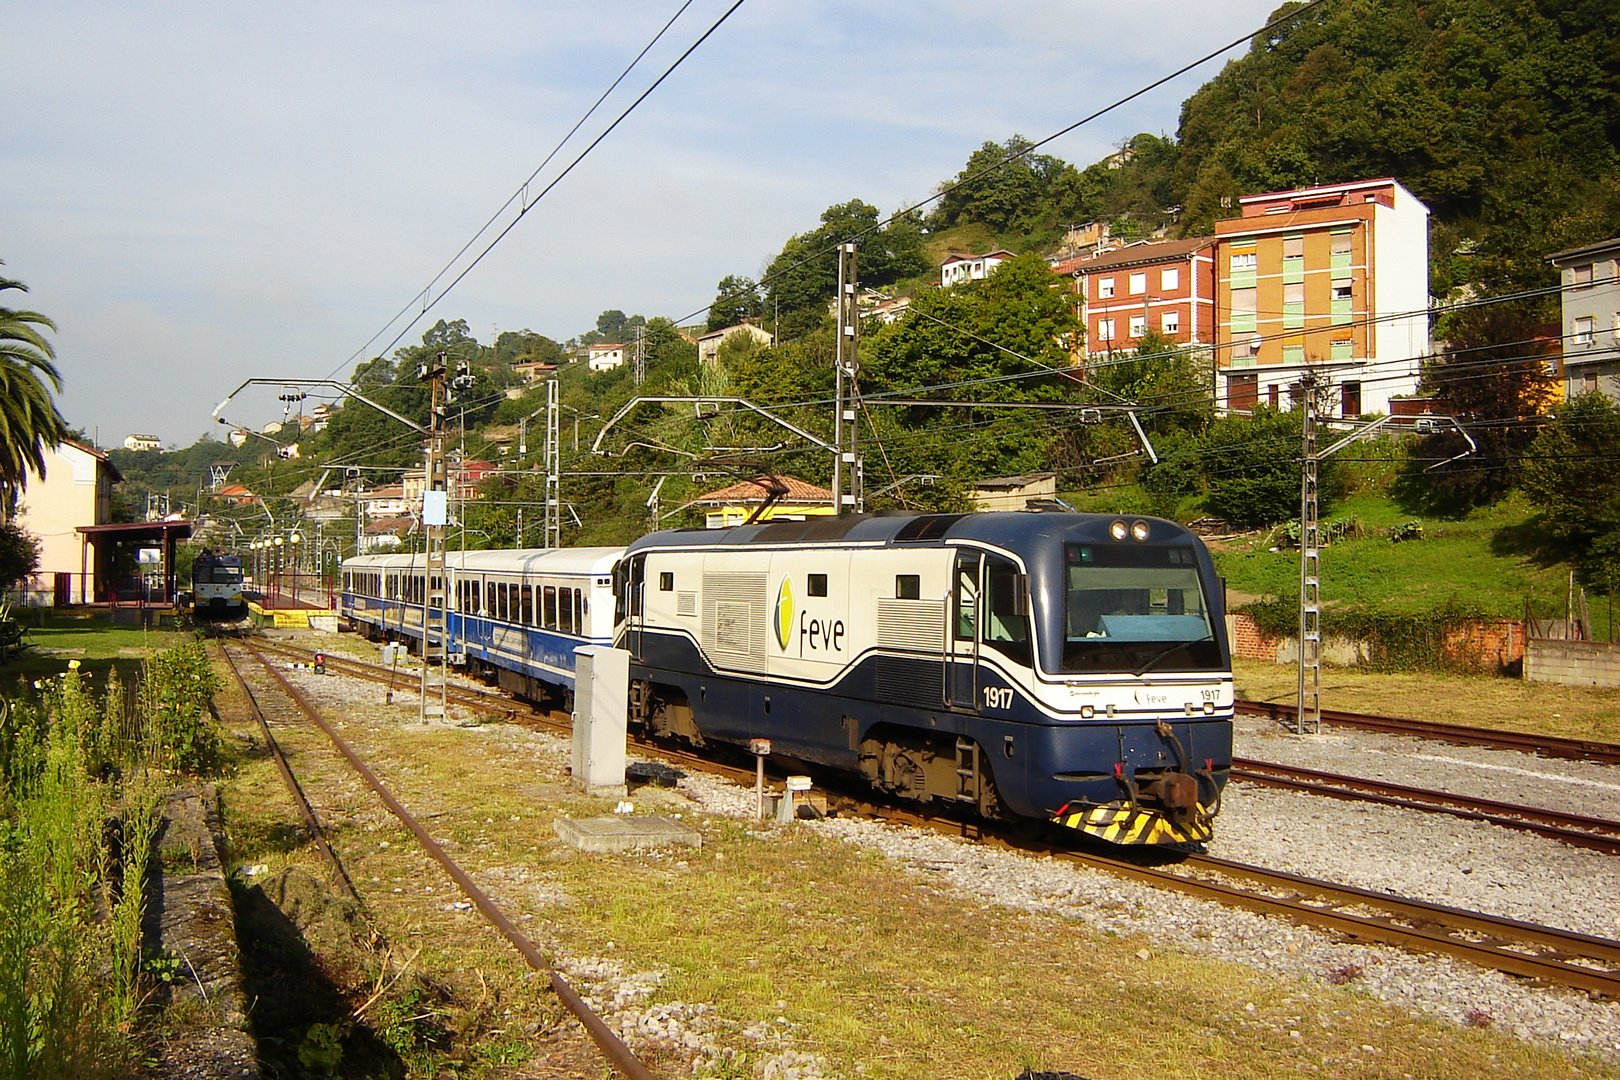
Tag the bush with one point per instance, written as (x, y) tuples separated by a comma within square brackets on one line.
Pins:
[(179, 684), (1251, 467)]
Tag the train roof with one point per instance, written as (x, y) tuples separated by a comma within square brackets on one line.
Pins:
[(884, 529), (585, 560)]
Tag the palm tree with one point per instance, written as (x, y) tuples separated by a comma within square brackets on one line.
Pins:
[(29, 422)]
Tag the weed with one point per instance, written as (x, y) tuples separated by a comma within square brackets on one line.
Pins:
[(163, 966), (1478, 1018), (1349, 973)]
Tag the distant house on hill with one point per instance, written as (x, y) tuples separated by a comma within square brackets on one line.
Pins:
[(959, 268), (709, 344), (605, 356), (142, 442), (789, 498), (534, 370)]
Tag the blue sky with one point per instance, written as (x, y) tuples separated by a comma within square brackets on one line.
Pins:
[(203, 192)]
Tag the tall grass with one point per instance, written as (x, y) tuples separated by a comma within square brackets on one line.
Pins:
[(81, 779)]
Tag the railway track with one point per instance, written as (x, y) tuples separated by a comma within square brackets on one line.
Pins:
[(612, 1048), (1527, 950), (1456, 734), (1573, 829)]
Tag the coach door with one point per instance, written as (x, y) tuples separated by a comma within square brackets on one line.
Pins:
[(962, 644), (635, 604)]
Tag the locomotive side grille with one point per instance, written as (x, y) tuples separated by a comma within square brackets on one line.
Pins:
[(686, 603), (904, 680), (735, 611), (911, 624)]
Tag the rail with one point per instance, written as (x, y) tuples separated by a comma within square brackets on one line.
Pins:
[(1457, 734), (1573, 829), (610, 1044)]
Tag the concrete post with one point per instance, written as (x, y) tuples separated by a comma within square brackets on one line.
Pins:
[(601, 708)]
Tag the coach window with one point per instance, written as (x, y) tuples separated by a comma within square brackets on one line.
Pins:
[(1006, 624), (551, 607), (579, 611), (666, 581), (528, 605), (565, 610), (815, 585), (489, 599), (907, 587), (967, 595)]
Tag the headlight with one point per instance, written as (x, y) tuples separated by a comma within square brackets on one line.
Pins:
[(1118, 530), (1139, 531)]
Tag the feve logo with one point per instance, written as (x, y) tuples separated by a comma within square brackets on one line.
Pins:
[(784, 613)]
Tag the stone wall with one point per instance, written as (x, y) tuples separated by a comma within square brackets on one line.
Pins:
[(1572, 663), (1496, 647)]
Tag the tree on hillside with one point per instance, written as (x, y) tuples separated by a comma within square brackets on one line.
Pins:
[(804, 277), (1504, 121), (1014, 193), (1250, 468), (1013, 327), (1570, 476), (29, 420), (735, 299), (1493, 378)]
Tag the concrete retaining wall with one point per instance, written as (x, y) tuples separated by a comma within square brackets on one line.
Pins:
[(1572, 663), (1485, 646)]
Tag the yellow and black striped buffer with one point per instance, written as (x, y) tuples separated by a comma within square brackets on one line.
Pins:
[(1120, 824)]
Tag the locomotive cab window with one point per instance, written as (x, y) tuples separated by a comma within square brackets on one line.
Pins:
[(1130, 608), (907, 587), (815, 585), (965, 596), (1006, 621)]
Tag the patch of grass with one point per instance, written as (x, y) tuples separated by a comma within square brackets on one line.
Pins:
[(1465, 559), (1573, 712)]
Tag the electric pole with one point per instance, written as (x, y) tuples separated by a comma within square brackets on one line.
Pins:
[(638, 367), (435, 515), (1308, 711), (846, 459), (553, 537)]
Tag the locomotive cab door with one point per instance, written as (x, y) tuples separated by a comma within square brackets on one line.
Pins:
[(634, 582), (962, 641)]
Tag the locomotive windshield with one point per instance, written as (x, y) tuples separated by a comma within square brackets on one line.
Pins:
[(216, 574), (1129, 608)]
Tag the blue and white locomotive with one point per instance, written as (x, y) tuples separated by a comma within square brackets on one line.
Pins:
[(1073, 667), (516, 616)]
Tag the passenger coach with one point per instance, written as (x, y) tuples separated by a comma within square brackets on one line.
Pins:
[(1065, 666), (517, 615)]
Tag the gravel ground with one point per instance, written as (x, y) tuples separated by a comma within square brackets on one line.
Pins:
[(1574, 787), (1428, 856)]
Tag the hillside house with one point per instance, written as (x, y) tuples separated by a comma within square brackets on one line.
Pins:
[(709, 344), (1331, 280), (1591, 317), (959, 268)]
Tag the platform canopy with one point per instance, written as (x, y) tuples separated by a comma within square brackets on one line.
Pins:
[(102, 545)]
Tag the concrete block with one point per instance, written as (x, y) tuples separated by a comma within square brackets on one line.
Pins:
[(609, 834)]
